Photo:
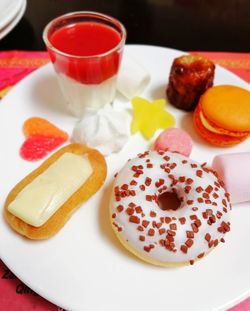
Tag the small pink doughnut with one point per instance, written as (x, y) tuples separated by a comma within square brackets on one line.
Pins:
[(175, 140)]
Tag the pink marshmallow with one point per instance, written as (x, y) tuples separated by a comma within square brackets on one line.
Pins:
[(234, 170), (175, 140)]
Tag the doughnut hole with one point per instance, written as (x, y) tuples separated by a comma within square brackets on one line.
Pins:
[(169, 201)]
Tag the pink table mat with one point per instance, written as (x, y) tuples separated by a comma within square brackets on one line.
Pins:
[(14, 66)]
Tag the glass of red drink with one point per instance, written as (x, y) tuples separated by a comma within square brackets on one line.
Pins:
[(85, 49)]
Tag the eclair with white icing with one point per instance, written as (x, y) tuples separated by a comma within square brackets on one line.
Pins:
[(40, 204)]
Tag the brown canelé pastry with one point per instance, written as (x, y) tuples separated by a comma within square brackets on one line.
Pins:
[(189, 78)]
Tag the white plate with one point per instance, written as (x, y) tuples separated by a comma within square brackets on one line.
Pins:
[(8, 10), (84, 267), (4, 31)]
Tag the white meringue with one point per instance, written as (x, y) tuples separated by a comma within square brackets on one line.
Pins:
[(105, 129)]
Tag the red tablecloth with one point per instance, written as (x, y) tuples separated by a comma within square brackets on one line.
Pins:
[(15, 65)]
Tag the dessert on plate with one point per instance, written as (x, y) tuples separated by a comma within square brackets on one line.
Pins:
[(40, 204), (233, 169), (222, 116), (168, 209), (190, 76), (174, 140)]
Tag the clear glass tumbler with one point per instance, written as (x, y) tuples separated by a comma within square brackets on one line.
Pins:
[(86, 50)]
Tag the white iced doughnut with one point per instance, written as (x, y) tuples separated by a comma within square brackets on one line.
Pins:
[(195, 224)]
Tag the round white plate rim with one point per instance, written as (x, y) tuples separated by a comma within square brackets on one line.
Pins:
[(12, 9), (53, 299), (15, 21)]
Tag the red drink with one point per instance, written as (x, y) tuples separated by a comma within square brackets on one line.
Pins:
[(87, 39), (85, 49)]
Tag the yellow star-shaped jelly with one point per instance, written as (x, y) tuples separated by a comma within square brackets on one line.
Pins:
[(148, 116)]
